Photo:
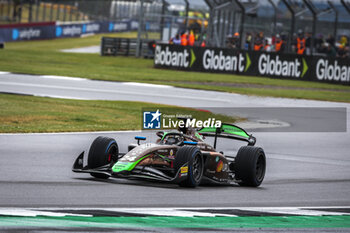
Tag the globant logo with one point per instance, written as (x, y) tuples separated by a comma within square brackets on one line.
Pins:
[(328, 71), (213, 61), (172, 58), (278, 67), (25, 34)]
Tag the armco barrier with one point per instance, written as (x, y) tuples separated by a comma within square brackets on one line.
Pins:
[(275, 65)]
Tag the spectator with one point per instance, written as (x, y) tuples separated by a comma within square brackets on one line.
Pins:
[(248, 41), (184, 39), (191, 39), (329, 50), (279, 45), (267, 46), (259, 42), (233, 42), (308, 43), (319, 43), (330, 40), (175, 40), (342, 52), (343, 41), (301, 43)]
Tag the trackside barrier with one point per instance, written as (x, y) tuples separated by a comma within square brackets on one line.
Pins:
[(52, 30), (242, 62), (112, 46), (27, 31)]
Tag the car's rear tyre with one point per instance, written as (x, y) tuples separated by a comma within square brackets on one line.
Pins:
[(103, 151), (250, 166), (194, 158)]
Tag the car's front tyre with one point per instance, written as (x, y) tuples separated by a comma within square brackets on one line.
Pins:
[(194, 158), (250, 166), (103, 151)]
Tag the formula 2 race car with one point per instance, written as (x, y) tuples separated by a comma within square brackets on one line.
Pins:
[(180, 157)]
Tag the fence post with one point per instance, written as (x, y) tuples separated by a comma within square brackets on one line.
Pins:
[(335, 20), (162, 19), (346, 6), (37, 11), (8, 9), (140, 29), (314, 19), (290, 37), (70, 13), (187, 9), (274, 17), (44, 12), (64, 12), (30, 11), (242, 22)]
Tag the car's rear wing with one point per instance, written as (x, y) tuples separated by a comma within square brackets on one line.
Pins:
[(228, 131)]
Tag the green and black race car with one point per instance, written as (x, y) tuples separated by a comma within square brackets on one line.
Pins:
[(180, 157)]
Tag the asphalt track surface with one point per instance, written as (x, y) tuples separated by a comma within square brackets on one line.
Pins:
[(303, 168)]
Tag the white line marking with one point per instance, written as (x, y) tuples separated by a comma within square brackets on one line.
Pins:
[(4, 72), (293, 211), (146, 85), (309, 159), (109, 91), (178, 211), (33, 213), (70, 133), (63, 77)]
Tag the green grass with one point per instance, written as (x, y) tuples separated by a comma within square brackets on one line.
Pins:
[(44, 57), (25, 114)]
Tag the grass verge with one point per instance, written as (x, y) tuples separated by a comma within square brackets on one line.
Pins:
[(25, 114), (44, 57)]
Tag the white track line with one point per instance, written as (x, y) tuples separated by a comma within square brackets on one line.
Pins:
[(72, 133), (63, 77), (178, 212), (146, 85), (109, 91)]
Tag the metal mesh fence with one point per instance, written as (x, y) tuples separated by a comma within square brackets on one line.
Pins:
[(159, 20)]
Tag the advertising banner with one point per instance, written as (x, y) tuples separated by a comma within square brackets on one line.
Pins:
[(274, 65), (28, 31), (34, 31), (74, 30)]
